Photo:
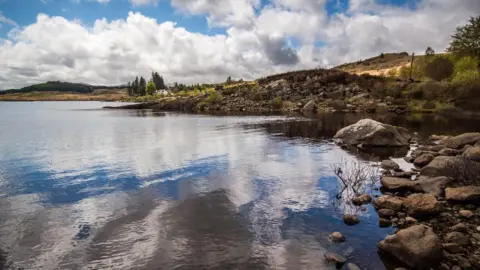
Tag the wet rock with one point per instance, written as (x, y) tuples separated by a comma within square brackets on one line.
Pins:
[(410, 221), (453, 248), (419, 205), (472, 153), (386, 213), (407, 175), (350, 219), (457, 238), (362, 199), (310, 106), (460, 227), (389, 202), (434, 185), (434, 137), (336, 237), (383, 223), (450, 167), (351, 266), (461, 140), (417, 246), (335, 258), (423, 160), (450, 152), (402, 184), (372, 133), (463, 194), (466, 214), (409, 159), (389, 165)]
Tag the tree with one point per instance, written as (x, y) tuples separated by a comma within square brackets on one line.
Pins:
[(229, 79), (150, 89), (142, 85), (429, 51), (129, 89), (158, 81), (439, 69), (135, 86), (466, 39)]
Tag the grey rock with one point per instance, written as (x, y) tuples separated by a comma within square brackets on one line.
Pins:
[(372, 133), (417, 246), (423, 160), (310, 106), (335, 258), (389, 165), (336, 237), (472, 153), (450, 167), (457, 238), (453, 248), (389, 202), (450, 152), (461, 140), (409, 159), (463, 194), (460, 227)]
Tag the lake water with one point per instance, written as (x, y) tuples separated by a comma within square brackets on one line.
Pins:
[(85, 188)]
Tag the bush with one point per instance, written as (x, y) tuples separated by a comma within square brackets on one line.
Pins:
[(392, 72), (277, 103), (466, 70), (214, 97), (439, 69), (404, 73), (466, 76)]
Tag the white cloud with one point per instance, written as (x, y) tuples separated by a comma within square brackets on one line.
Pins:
[(256, 42), (139, 2), (6, 20)]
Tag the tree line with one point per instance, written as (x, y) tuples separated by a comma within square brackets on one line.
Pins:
[(140, 87)]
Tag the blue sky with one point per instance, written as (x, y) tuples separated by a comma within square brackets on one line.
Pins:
[(201, 41)]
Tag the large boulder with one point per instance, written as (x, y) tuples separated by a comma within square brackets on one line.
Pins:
[(419, 205), (389, 202), (371, 133), (463, 194), (432, 185), (423, 160), (472, 153), (417, 246), (395, 183), (456, 167), (461, 140)]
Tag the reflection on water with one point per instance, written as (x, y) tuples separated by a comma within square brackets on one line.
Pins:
[(82, 188)]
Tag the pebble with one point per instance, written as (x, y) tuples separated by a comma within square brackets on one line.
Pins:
[(410, 220), (383, 223), (460, 227), (350, 219), (478, 229), (336, 237), (466, 213), (386, 213)]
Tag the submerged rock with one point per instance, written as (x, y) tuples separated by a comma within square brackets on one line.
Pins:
[(389, 165), (463, 194), (362, 199), (417, 246), (371, 133), (350, 219), (336, 237), (386, 213), (335, 258), (461, 140), (351, 266), (421, 205)]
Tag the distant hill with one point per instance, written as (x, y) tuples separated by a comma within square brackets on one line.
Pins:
[(379, 65), (57, 86)]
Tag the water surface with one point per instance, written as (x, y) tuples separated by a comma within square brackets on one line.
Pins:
[(85, 188)]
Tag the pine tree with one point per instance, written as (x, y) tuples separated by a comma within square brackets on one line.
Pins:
[(142, 86), (136, 91), (129, 89), (158, 81)]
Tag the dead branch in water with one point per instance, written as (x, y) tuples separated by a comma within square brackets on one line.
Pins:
[(355, 175)]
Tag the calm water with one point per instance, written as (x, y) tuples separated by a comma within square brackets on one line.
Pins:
[(84, 188)]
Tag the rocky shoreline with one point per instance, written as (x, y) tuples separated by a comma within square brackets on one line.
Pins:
[(434, 207)]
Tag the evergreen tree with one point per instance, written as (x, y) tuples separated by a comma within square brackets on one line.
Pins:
[(136, 91), (158, 81), (142, 86), (429, 51), (129, 89), (229, 79)]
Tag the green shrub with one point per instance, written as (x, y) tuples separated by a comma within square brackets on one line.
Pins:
[(439, 68), (277, 103), (214, 97), (466, 76), (466, 70), (150, 89), (404, 73)]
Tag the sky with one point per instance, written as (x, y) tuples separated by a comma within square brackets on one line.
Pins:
[(109, 42)]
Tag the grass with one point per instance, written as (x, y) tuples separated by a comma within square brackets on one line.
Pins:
[(97, 95), (424, 106)]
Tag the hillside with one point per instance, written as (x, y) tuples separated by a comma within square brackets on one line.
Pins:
[(379, 65)]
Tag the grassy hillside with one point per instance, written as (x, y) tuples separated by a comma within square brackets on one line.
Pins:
[(379, 65), (95, 95), (52, 86)]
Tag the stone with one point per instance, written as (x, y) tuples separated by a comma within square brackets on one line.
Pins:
[(423, 160), (395, 183), (410, 221), (463, 194), (450, 167), (350, 219), (434, 185), (461, 140), (466, 214), (336, 237), (453, 248), (335, 258), (458, 260), (457, 238), (383, 223), (389, 202), (389, 165), (409, 159), (310, 106), (419, 205), (417, 246), (460, 227), (438, 137), (386, 213), (450, 152), (362, 199), (372, 133), (472, 153), (351, 266), (407, 175)]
